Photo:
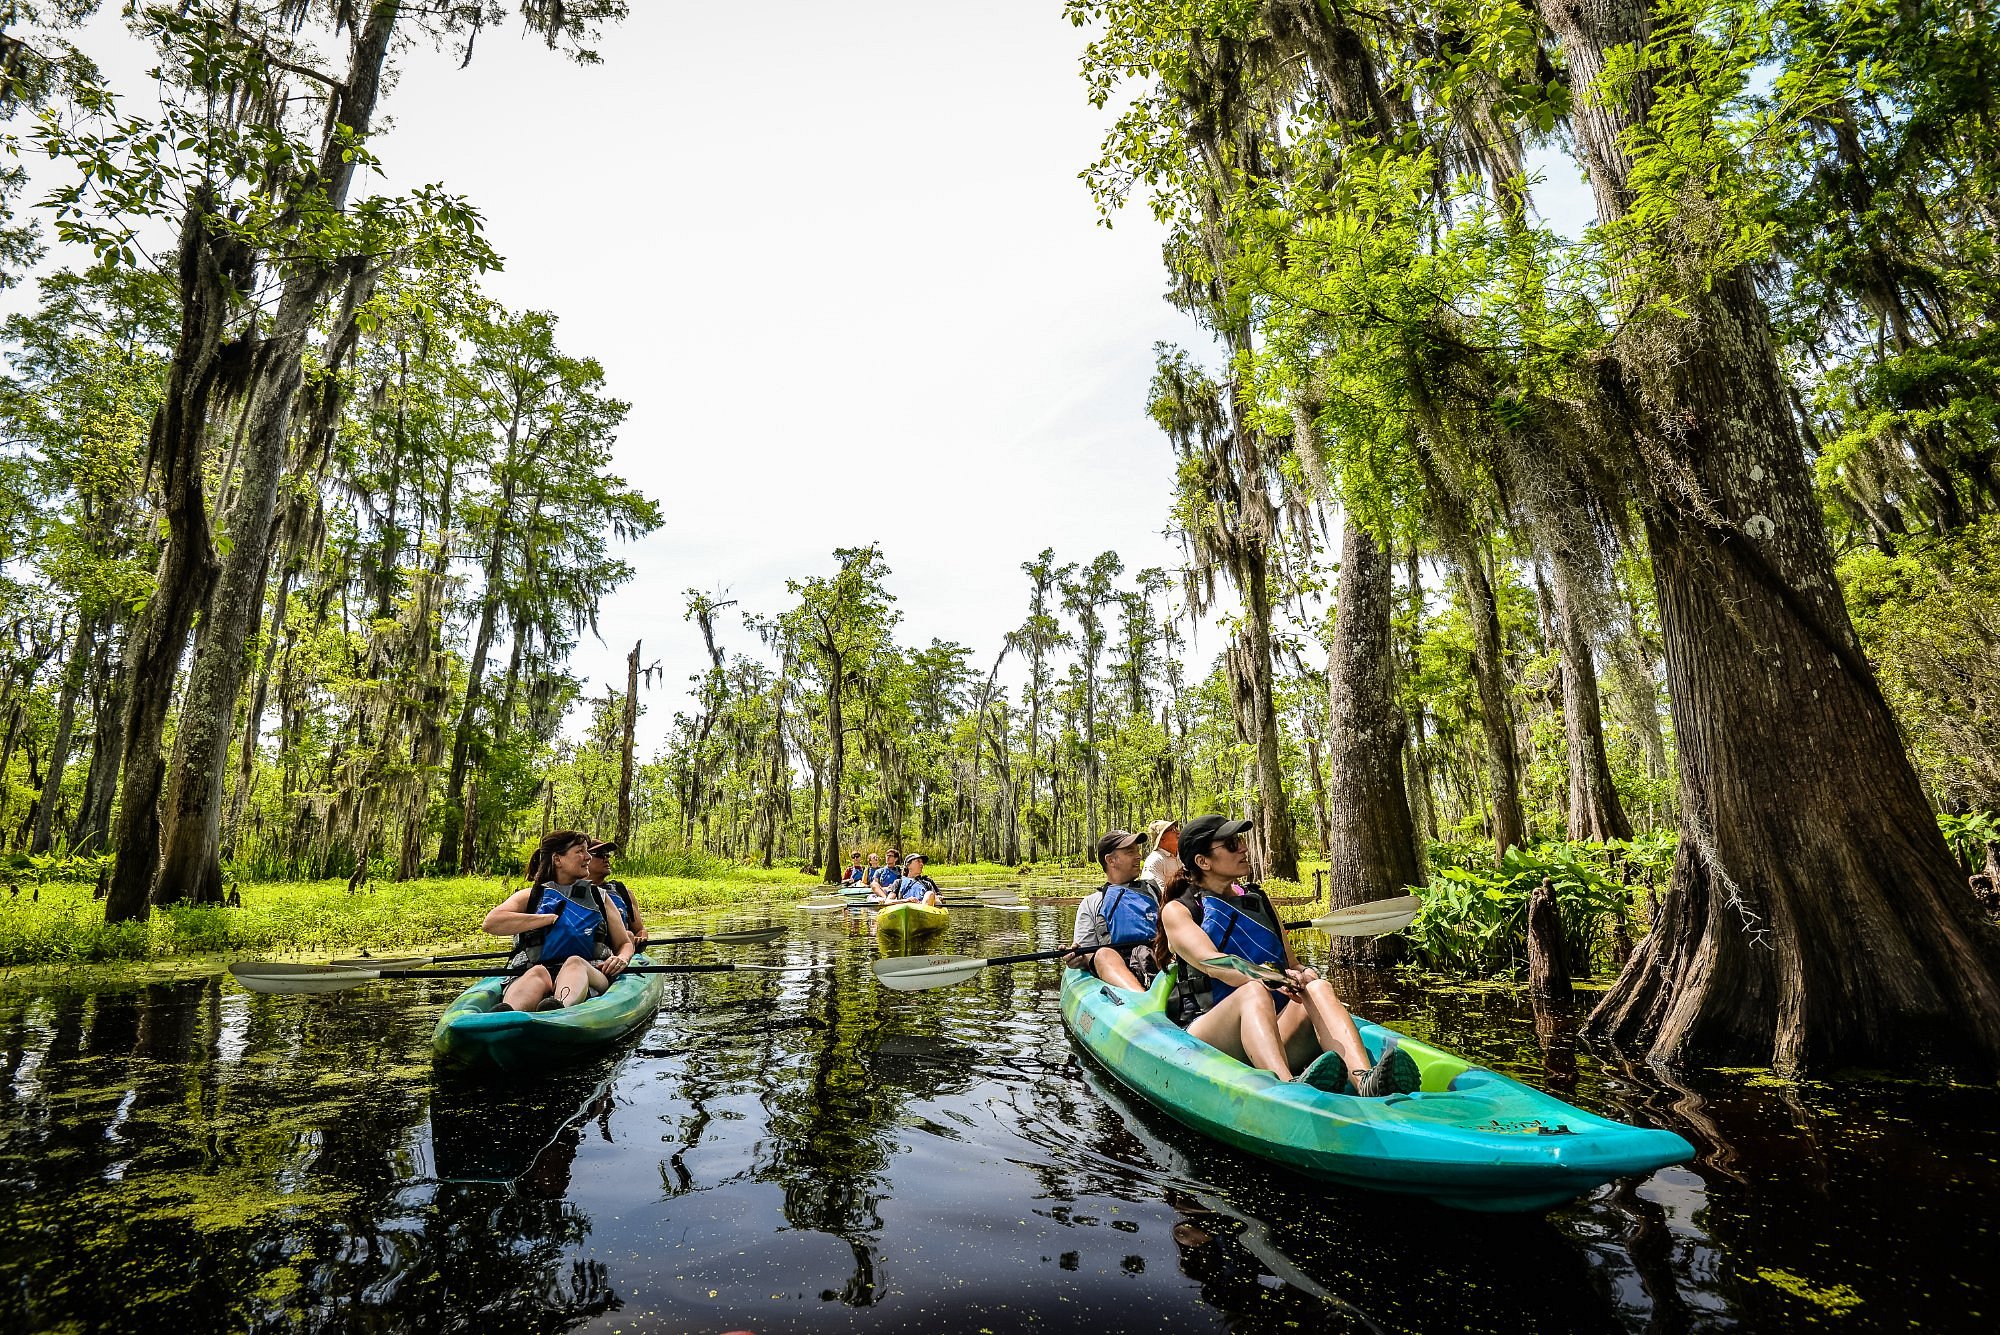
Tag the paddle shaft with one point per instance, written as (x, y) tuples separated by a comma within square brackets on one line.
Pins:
[(515, 973)]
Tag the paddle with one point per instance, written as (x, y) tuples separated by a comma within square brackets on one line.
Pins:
[(280, 977), (749, 936), (824, 905), (917, 973)]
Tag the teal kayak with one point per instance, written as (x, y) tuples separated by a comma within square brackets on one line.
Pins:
[(1471, 1138), (471, 1032)]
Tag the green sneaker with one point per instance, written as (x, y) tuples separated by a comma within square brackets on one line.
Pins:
[(1328, 1072), (1396, 1073)]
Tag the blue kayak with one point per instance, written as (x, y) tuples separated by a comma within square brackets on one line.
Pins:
[(472, 1033), (1470, 1138)]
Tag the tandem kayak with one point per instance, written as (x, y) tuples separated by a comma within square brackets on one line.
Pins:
[(471, 1032), (1471, 1138), (900, 922)]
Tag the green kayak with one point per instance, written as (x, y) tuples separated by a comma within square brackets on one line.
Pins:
[(1471, 1138), (472, 1033)]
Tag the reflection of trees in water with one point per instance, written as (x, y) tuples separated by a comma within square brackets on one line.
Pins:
[(162, 1183)]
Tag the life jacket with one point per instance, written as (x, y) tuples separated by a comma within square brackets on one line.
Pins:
[(856, 874), (621, 895), (1129, 915), (887, 877), (580, 930), (1245, 925), (915, 887)]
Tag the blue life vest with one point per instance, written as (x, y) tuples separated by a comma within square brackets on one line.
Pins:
[(856, 875), (1131, 916), (915, 887), (622, 897), (580, 930), (1242, 925), (887, 878)]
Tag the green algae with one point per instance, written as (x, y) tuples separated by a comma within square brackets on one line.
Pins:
[(1834, 1300)]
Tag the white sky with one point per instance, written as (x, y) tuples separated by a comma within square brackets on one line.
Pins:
[(838, 258)]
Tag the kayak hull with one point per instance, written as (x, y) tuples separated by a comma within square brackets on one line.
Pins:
[(1471, 1138), (900, 922), (472, 1033)]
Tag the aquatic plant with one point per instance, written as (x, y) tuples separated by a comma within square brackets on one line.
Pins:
[(1475, 920)]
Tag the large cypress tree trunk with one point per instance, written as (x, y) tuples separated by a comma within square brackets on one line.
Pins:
[(1594, 810), (1496, 713), (1372, 848), (1815, 917), (832, 864), (191, 865), (202, 372)]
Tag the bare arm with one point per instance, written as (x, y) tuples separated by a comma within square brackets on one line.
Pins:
[(511, 918)]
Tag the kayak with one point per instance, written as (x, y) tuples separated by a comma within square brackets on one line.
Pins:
[(1470, 1138), (471, 1032), (902, 921)]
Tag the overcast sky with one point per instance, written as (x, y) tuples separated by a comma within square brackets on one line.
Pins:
[(839, 260)]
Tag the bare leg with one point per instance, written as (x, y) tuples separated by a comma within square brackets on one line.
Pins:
[(578, 980), (1244, 1024), (1110, 967), (1322, 1024), (529, 991)]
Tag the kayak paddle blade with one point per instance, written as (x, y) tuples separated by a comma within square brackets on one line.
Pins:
[(917, 973), (1376, 918), (748, 936), (289, 979)]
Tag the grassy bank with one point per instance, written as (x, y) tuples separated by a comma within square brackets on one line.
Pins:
[(66, 926)]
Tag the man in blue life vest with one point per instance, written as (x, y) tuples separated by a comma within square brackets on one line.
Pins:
[(856, 874), (1117, 934), (598, 871), (890, 873), (915, 885)]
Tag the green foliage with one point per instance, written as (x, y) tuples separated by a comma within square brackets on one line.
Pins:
[(1970, 835), (1475, 920)]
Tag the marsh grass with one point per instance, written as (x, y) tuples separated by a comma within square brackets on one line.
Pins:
[(66, 925)]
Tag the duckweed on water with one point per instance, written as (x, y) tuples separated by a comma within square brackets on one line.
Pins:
[(1835, 1300)]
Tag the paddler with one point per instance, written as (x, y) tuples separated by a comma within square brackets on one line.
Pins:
[(1117, 936), (856, 873), (1303, 1022), (1164, 836), (916, 886), (889, 874), (567, 945), (619, 893)]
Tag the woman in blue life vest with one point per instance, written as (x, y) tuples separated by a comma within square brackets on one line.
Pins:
[(1275, 1027), (619, 893), (570, 946), (915, 885)]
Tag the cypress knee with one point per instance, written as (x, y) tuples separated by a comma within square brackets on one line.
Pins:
[(1548, 952)]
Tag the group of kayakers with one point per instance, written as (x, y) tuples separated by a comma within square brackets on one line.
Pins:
[(1187, 899), (575, 928), (889, 880)]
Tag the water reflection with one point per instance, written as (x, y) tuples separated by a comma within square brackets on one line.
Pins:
[(808, 1152)]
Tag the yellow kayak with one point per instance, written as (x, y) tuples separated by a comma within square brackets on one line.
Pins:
[(900, 922)]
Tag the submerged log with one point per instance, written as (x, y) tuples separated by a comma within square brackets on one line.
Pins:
[(1548, 951)]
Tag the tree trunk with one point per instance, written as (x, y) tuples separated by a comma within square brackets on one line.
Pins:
[(1372, 847), (1280, 837), (836, 772), (1496, 714), (1594, 811), (1815, 917), (74, 671), (191, 865), (91, 830), (203, 371), (624, 833)]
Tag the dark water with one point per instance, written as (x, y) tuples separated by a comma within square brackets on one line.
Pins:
[(807, 1153)]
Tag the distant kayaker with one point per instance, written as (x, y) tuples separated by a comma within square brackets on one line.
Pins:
[(571, 947), (1219, 915), (914, 885), (1117, 935), (1165, 836), (619, 893), (856, 874)]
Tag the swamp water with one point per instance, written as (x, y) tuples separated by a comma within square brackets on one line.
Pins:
[(813, 1153)]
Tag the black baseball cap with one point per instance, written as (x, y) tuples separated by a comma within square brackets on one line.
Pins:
[(600, 849), (1116, 840), (1202, 833)]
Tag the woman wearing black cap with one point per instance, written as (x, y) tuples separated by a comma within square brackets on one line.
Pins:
[(1230, 1010)]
